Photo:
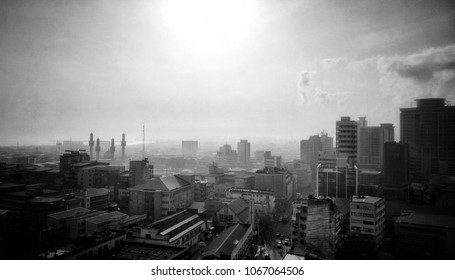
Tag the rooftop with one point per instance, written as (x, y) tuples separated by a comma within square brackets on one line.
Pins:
[(372, 172), (250, 191), (106, 217), (136, 251), (94, 192), (429, 220), (365, 199), (70, 213), (167, 183), (175, 224), (227, 241)]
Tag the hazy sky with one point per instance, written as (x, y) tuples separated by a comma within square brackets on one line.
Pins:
[(208, 69)]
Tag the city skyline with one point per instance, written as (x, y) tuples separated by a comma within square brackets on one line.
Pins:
[(260, 69)]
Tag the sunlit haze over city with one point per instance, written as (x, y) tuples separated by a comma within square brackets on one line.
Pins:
[(216, 69)]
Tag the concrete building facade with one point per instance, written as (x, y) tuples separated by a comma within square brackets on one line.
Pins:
[(367, 220)]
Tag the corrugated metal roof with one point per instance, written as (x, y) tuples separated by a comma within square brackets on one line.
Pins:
[(227, 241)]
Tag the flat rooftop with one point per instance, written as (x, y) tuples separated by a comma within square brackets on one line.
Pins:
[(429, 220), (70, 213), (107, 217), (365, 199)]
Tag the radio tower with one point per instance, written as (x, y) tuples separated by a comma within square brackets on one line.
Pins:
[(143, 141)]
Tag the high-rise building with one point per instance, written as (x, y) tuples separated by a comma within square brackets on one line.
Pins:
[(370, 143), (396, 171), (226, 156), (315, 146), (244, 152), (346, 137), (272, 161), (189, 148), (367, 220), (140, 171), (429, 130)]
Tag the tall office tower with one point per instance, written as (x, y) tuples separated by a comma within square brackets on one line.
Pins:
[(91, 143), (316, 145), (396, 171), (346, 137), (112, 149), (140, 171), (189, 148), (97, 149), (272, 161), (370, 144), (243, 152), (429, 130)]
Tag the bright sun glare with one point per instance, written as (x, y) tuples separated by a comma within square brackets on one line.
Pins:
[(210, 27)]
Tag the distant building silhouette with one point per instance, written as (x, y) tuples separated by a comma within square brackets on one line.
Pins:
[(272, 161), (316, 145), (244, 152), (189, 148)]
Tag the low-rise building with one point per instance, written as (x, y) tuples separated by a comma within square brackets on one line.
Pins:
[(367, 220), (323, 227), (73, 220), (160, 197), (236, 211), (428, 236), (298, 222), (97, 223), (244, 181), (94, 198), (264, 201), (182, 229), (233, 243)]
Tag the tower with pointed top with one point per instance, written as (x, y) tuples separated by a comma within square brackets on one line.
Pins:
[(91, 143), (112, 149), (123, 143), (97, 149)]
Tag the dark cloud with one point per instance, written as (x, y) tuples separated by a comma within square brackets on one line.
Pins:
[(425, 66)]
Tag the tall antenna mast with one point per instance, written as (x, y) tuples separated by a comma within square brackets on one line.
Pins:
[(143, 141)]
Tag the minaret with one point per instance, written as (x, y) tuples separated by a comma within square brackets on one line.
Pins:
[(112, 149), (91, 143), (143, 141), (97, 149), (123, 143)]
